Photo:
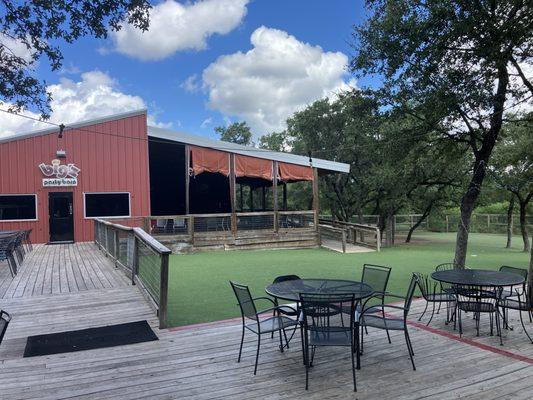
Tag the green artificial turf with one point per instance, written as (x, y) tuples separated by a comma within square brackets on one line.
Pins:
[(199, 289)]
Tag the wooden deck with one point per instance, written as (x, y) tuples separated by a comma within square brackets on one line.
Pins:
[(200, 361)]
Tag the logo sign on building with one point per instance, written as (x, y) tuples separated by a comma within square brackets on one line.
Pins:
[(59, 175)]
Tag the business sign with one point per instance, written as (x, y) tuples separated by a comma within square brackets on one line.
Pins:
[(52, 182), (61, 175)]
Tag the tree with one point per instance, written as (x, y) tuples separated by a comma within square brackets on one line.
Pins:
[(341, 131), (237, 132), (456, 66), (276, 141), (37, 26), (512, 167)]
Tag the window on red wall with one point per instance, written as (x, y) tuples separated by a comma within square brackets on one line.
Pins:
[(18, 207), (107, 205)]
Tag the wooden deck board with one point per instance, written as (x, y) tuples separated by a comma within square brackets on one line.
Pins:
[(200, 361)]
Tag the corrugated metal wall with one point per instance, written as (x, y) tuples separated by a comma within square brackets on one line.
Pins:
[(112, 158)]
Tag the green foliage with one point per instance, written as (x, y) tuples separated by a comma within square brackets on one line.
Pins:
[(455, 67), (237, 132), (277, 141), (40, 25)]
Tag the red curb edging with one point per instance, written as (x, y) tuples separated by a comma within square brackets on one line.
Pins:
[(471, 342)]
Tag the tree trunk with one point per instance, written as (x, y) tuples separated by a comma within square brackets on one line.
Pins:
[(523, 227), (481, 160), (530, 275), (510, 222), (389, 227), (418, 223)]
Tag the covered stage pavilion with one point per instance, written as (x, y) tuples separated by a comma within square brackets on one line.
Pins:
[(219, 193)]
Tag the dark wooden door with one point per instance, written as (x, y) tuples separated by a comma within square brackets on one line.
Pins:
[(61, 217)]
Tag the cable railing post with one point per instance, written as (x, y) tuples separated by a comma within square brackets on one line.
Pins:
[(163, 292), (135, 266)]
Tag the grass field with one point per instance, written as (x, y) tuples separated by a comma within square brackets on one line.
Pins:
[(200, 291)]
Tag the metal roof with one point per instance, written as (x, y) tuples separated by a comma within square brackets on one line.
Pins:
[(202, 141), (81, 124)]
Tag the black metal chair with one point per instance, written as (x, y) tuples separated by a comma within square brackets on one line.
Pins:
[(514, 270), (290, 310), (276, 323), (27, 240), (373, 320), (321, 326), (512, 292), (7, 245), (377, 276), (428, 288), (5, 318), (478, 300), (521, 302)]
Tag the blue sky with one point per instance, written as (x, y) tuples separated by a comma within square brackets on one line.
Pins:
[(234, 89)]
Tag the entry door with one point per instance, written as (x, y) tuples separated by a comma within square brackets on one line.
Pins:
[(61, 217)]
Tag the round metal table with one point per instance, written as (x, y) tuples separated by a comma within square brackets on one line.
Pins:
[(290, 290), (478, 277)]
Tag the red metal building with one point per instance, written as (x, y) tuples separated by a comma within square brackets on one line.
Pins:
[(111, 155), (56, 181)]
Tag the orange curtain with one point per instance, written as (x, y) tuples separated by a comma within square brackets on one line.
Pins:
[(293, 172), (208, 160), (252, 167)]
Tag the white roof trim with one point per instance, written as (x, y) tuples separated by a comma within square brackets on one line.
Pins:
[(75, 125), (202, 141)]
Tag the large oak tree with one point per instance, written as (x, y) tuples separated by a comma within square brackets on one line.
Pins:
[(457, 67)]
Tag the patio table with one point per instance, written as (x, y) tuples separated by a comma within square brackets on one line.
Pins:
[(478, 277), (488, 281), (290, 290)]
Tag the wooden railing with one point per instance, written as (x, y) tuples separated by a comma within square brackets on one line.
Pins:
[(141, 257), (329, 232), (359, 234), (227, 224)]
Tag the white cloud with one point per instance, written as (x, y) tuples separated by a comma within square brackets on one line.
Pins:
[(206, 122), (175, 27), (277, 77), (191, 84), (95, 95), (17, 48)]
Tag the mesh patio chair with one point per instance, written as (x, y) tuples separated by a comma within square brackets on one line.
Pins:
[(373, 320), (478, 300), (377, 276), (5, 318), (522, 302), (514, 270), (27, 240), (512, 292), (432, 293), (290, 310), (7, 245), (320, 327), (256, 325)]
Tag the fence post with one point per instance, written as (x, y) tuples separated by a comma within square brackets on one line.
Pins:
[(447, 228), (343, 240), (378, 239), (117, 246), (163, 292), (135, 266)]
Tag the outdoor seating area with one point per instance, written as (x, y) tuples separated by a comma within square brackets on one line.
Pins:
[(318, 307), (87, 292)]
